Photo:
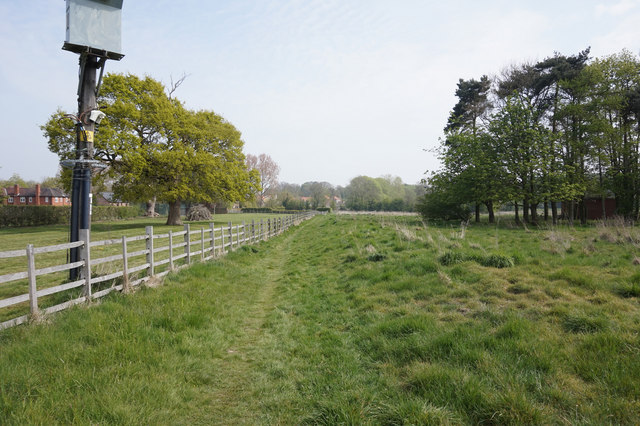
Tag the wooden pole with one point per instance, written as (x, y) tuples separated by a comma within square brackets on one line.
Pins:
[(187, 240), (222, 249), (33, 292), (126, 286), (171, 267), (150, 269), (213, 239), (86, 257), (253, 231), (202, 244)]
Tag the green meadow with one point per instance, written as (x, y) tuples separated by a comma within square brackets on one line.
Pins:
[(353, 320), (41, 236)]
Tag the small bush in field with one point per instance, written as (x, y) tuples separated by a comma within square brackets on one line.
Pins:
[(451, 258)]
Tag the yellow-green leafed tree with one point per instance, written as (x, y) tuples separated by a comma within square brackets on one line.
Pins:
[(156, 148)]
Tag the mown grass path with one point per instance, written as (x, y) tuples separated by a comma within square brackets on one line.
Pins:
[(232, 397), (353, 320)]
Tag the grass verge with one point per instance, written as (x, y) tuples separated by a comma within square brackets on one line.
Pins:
[(351, 320)]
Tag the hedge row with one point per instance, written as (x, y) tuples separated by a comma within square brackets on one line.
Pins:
[(269, 210), (115, 212), (19, 216)]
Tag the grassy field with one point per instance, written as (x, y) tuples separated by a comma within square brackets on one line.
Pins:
[(39, 236), (354, 320)]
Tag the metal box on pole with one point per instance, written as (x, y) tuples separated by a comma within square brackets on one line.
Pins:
[(94, 26)]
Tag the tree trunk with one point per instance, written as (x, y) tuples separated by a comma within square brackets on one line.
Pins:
[(492, 217), (554, 213), (174, 213), (525, 210), (151, 207), (546, 211), (583, 212), (534, 212), (517, 213), (477, 213), (571, 211)]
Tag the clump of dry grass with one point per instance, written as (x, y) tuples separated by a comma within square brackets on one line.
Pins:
[(557, 242), (618, 231), (407, 234), (444, 278)]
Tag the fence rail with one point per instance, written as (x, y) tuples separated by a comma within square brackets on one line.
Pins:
[(209, 243)]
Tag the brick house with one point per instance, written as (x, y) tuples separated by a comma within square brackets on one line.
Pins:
[(16, 196)]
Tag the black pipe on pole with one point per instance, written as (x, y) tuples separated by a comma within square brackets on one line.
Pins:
[(74, 228), (85, 216), (81, 187)]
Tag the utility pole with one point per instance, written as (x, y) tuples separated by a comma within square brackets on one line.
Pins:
[(93, 31), (85, 130)]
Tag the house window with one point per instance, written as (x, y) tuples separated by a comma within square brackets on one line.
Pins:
[(46, 199), (22, 199), (11, 200), (55, 199), (31, 199)]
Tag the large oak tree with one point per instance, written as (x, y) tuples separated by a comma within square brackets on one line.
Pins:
[(156, 148)]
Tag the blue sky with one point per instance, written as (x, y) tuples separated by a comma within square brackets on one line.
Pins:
[(329, 89)]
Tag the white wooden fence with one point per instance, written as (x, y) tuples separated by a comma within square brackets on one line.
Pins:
[(210, 242)]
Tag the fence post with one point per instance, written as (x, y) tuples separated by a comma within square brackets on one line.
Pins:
[(238, 242), (244, 233), (126, 287), (213, 239), (253, 231), (202, 244), (187, 240), (86, 256), (170, 250), (268, 228), (149, 232), (230, 237), (33, 292), (222, 240)]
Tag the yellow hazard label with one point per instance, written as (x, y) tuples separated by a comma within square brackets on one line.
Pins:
[(88, 136)]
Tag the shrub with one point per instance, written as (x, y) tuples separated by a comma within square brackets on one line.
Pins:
[(269, 210), (99, 213), (438, 204), (19, 216), (451, 258)]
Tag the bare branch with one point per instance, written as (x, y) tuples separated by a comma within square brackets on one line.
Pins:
[(175, 84)]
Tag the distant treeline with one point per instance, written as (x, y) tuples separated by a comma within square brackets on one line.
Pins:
[(564, 129), (363, 193)]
